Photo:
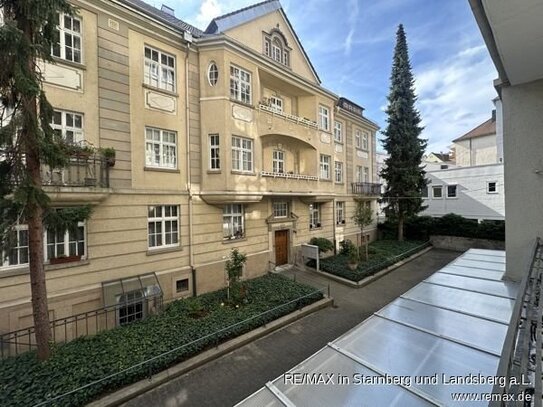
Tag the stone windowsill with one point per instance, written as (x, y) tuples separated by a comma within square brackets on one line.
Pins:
[(162, 250)]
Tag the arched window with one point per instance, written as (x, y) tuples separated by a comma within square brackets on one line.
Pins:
[(212, 73), (276, 48)]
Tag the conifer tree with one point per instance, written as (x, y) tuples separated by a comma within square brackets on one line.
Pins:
[(27, 141), (403, 171)]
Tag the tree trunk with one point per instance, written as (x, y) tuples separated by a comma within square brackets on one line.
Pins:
[(34, 214), (400, 228)]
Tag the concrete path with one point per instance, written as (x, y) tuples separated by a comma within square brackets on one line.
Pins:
[(231, 378)]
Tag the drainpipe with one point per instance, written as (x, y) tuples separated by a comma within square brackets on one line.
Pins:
[(334, 224), (188, 172)]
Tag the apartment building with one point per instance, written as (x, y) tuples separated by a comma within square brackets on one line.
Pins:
[(224, 138)]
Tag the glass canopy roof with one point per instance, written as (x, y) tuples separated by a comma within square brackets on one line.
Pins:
[(444, 336), (145, 285)]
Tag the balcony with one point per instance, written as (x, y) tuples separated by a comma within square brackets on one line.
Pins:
[(289, 117), (366, 188), (288, 175)]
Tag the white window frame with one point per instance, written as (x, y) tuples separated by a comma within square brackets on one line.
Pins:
[(359, 175), (324, 118), (325, 163), (338, 169), (19, 248), (242, 154), (163, 218), (214, 152), (455, 191), (437, 187), (233, 221), (212, 73), (358, 139), (315, 215), (77, 132), (65, 242), (156, 72), (129, 301), (365, 141), (340, 212), (167, 150), (60, 49), (366, 172), (280, 209), (240, 85), (276, 103), (278, 161), (338, 131), (488, 191)]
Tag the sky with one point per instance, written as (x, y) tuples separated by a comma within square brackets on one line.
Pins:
[(351, 42)]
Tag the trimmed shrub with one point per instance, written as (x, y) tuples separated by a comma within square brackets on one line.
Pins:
[(324, 244), (347, 247)]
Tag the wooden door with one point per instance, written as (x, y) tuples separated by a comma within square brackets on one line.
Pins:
[(281, 247)]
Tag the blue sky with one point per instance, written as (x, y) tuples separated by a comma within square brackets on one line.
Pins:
[(350, 43)]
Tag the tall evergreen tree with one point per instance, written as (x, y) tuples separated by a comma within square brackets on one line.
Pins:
[(27, 141), (403, 171)]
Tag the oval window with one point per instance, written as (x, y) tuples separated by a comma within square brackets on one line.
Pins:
[(212, 74)]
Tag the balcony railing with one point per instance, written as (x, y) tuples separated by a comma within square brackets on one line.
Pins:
[(287, 116), (81, 171), (288, 175), (366, 188)]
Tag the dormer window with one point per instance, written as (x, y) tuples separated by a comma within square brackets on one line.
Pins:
[(275, 47)]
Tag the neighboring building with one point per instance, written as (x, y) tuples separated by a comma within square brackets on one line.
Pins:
[(438, 161), (224, 139), (473, 192), (513, 38)]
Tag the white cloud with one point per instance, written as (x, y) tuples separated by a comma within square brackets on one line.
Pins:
[(209, 9), (455, 95), (353, 17)]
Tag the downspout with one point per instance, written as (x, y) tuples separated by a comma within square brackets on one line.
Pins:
[(188, 172)]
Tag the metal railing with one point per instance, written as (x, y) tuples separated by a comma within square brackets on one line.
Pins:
[(82, 171), (287, 116), (75, 326), (520, 362), (366, 188), (288, 175)]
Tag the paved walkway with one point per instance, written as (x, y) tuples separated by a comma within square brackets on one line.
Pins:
[(233, 377)]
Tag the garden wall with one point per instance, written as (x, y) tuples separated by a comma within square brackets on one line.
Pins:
[(465, 243)]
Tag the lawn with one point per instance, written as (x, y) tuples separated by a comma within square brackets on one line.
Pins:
[(25, 382), (382, 253)]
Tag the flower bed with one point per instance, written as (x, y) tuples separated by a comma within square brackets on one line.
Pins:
[(382, 254), (24, 381)]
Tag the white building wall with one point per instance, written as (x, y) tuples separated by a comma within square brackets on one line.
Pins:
[(499, 130), (472, 197), (476, 151)]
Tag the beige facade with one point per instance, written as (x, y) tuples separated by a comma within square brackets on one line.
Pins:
[(219, 145)]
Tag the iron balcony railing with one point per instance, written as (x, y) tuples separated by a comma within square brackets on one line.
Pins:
[(366, 188), (82, 171), (520, 362)]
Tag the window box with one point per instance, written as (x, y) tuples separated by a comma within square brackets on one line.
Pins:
[(65, 259)]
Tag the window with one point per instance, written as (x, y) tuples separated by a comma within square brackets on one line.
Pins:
[(437, 192), (131, 307), (492, 187), (65, 243), (365, 140), (340, 213), (242, 154), (278, 161), (214, 152), (338, 132), (240, 85), (182, 285), (67, 39), (314, 215), (325, 166), (366, 174), (339, 171), (18, 254), (424, 192), (212, 74), (233, 221), (276, 49), (163, 226), (359, 174), (159, 69), (324, 118), (280, 209), (160, 148), (276, 103), (451, 191), (69, 125), (357, 139)]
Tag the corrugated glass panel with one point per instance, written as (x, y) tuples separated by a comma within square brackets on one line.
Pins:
[(262, 398), (472, 272), (405, 352), (480, 264), (326, 365), (477, 332), (484, 257), (501, 288), (487, 306), (499, 253)]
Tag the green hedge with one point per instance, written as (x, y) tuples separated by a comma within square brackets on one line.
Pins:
[(421, 227), (382, 253), (25, 382)]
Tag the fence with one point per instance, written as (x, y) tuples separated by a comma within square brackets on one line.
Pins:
[(366, 188), (84, 324), (520, 362), (82, 171)]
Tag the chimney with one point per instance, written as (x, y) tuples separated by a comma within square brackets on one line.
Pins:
[(167, 10), (494, 115)]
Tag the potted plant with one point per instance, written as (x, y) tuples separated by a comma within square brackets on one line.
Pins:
[(353, 259), (109, 155), (65, 259)]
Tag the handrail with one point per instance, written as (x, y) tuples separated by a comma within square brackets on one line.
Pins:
[(366, 188), (287, 116), (288, 175)]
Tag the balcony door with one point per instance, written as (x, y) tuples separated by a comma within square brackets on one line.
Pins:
[(281, 247)]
